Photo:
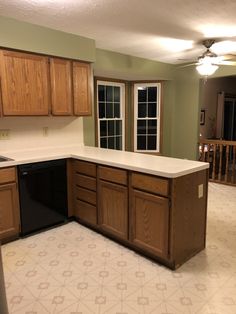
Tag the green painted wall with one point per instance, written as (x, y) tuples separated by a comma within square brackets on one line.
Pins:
[(181, 88), (115, 65), (25, 36), (186, 114), (188, 98)]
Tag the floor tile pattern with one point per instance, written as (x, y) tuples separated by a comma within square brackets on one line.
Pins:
[(71, 269)]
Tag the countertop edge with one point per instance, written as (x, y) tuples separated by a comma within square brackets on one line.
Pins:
[(122, 165)]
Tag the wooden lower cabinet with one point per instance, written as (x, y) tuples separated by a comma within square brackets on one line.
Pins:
[(113, 209), (86, 212), (149, 222), (9, 211), (162, 218), (82, 191)]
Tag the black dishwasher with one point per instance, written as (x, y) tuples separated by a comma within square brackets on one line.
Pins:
[(43, 195)]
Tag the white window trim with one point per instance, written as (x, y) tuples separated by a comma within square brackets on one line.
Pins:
[(122, 110), (158, 118)]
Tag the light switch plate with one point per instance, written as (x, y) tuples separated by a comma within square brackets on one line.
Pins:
[(200, 190)]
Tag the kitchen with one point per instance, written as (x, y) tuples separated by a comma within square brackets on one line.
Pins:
[(71, 131)]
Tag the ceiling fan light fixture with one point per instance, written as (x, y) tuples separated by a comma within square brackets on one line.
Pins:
[(206, 69), (206, 66)]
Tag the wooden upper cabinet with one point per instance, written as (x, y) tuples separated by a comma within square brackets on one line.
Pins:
[(61, 86), (82, 88), (24, 84)]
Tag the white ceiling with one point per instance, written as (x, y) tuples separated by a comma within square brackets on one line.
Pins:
[(162, 30)]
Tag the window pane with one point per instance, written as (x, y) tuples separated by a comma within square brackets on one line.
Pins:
[(152, 94), (103, 142), (141, 142), (116, 110), (111, 125), (142, 126), (101, 93), (109, 93), (118, 127), (142, 94), (101, 110), (152, 142), (109, 110), (117, 94), (152, 110), (142, 110), (103, 128), (111, 142), (119, 142), (152, 126)]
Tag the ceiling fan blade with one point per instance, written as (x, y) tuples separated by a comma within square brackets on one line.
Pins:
[(187, 65), (229, 57), (225, 62)]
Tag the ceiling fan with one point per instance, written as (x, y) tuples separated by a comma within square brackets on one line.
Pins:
[(209, 61)]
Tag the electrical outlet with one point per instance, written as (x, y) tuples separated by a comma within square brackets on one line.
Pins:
[(45, 131), (4, 134), (200, 190)]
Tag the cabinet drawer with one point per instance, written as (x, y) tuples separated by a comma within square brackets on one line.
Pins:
[(151, 184), (85, 182), (86, 212), (7, 175), (85, 167), (85, 195), (113, 175)]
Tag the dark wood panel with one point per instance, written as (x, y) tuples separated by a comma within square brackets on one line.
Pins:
[(85, 182), (85, 195), (84, 167), (113, 209), (151, 184), (113, 175), (149, 222), (188, 216), (86, 212), (7, 175)]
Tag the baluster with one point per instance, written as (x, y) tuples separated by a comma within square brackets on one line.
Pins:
[(220, 166), (233, 164), (227, 163), (214, 162), (204, 152)]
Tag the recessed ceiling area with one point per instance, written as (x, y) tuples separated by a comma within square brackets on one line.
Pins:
[(166, 31)]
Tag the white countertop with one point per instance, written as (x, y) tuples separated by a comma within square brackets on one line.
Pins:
[(156, 165)]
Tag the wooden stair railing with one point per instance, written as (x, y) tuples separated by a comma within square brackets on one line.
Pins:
[(222, 158)]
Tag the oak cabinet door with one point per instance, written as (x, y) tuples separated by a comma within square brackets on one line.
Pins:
[(9, 211), (149, 222), (113, 209), (82, 88), (61, 86), (24, 84)]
